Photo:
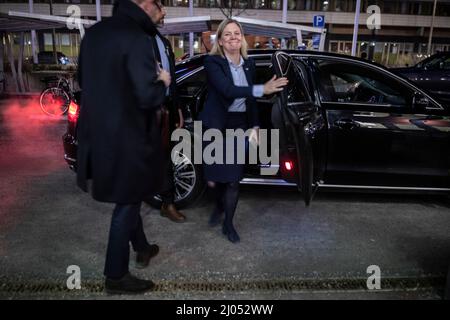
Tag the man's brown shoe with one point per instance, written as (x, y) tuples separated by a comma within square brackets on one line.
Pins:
[(171, 212)]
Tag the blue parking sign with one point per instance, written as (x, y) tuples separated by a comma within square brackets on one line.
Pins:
[(319, 21)]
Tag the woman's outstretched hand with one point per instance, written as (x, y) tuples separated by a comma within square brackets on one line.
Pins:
[(275, 85)]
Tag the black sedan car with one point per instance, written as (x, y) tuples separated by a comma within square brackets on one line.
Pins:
[(432, 74), (343, 122)]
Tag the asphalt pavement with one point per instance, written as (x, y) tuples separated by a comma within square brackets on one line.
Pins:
[(287, 251)]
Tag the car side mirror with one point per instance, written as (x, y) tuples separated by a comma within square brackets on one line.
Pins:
[(421, 102)]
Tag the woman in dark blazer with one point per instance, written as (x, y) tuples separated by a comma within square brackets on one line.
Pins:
[(231, 104)]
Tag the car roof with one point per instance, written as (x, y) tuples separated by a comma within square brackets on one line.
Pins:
[(434, 56), (196, 62)]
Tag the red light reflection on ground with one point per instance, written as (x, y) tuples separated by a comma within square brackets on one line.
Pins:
[(30, 146), (29, 136)]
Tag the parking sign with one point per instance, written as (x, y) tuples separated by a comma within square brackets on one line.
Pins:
[(319, 21)]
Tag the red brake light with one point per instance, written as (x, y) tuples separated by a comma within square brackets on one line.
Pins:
[(288, 165), (73, 112)]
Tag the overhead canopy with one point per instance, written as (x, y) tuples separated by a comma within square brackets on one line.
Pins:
[(27, 21), (186, 24), (10, 23), (22, 21)]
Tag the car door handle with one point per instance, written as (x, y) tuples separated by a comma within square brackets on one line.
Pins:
[(346, 124)]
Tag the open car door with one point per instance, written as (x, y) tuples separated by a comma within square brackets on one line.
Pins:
[(301, 127)]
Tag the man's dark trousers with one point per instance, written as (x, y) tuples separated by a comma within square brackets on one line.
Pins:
[(168, 189), (126, 227), (168, 193)]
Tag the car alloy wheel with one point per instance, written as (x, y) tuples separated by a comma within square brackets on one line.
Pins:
[(189, 185), (185, 177)]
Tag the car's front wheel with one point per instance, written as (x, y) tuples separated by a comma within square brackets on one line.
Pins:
[(189, 184)]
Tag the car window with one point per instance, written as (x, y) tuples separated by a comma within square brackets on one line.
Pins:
[(352, 83), (441, 62), (192, 84), (263, 73), (431, 63), (295, 88)]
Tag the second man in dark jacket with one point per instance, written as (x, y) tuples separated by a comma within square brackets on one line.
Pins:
[(173, 118)]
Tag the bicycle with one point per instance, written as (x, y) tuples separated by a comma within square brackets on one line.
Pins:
[(55, 100)]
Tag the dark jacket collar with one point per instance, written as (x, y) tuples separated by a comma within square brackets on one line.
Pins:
[(132, 10)]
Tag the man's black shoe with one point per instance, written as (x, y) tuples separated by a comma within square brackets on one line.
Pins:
[(128, 284), (143, 258)]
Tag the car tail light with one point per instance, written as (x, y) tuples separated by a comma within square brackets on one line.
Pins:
[(288, 165), (73, 112)]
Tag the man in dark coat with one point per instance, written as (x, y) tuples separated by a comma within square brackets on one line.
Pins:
[(119, 139)]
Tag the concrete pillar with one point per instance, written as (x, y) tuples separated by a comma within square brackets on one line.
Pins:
[(191, 34), (355, 28), (10, 54), (2, 70), (284, 20), (98, 10), (33, 35), (20, 62), (55, 57)]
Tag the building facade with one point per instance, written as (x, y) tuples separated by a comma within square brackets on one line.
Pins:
[(400, 38)]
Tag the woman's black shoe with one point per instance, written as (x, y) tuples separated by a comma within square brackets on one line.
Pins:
[(231, 234)]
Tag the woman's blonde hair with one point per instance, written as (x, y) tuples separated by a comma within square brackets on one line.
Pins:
[(217, 48)]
